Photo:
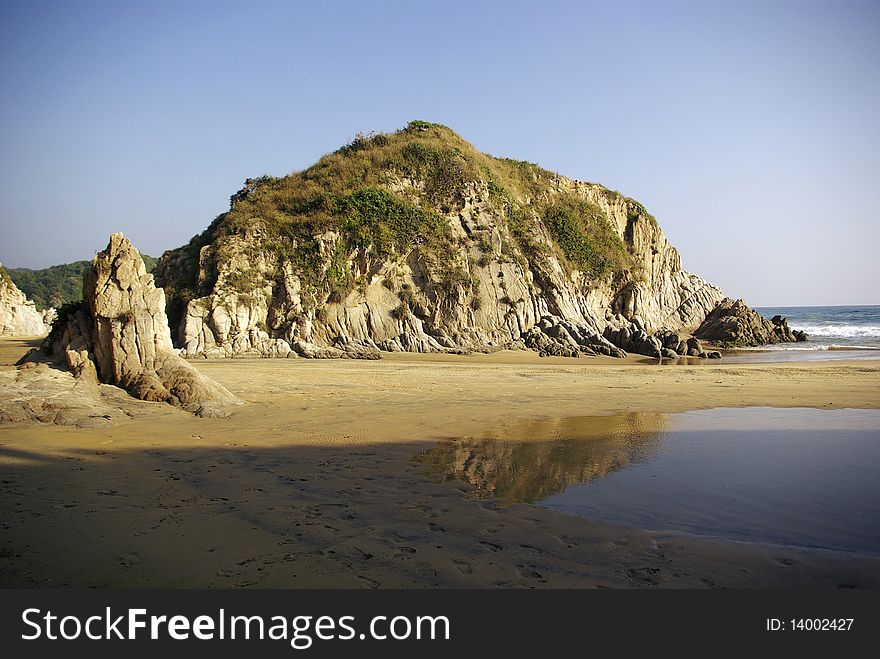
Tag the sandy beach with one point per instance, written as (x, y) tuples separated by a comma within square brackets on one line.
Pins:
[(313, 483)]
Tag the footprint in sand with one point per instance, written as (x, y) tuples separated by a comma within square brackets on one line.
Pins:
[(646, 575), (462, 566), (369, 583), (361, 554), (528, 572), (129, 560)]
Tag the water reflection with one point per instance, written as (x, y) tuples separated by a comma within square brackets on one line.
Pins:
[(794, 476), (511, 465)]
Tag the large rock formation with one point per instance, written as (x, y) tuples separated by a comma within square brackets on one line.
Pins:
[(18, 315), (120, 336), (736, 324), (415, 241)]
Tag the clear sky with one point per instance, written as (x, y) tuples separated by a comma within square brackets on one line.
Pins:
[(751, 130)]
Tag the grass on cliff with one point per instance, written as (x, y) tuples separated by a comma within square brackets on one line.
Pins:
[(4, 276), (421, 152), (586, 237), (440, 165)]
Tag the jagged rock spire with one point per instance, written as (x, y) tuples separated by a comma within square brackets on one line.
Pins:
[(121, 336)]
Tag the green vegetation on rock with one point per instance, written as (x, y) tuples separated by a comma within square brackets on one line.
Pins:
[(4, 275), (374, 218), (586, 237)]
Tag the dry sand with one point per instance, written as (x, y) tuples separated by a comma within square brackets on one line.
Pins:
[(313, 483)]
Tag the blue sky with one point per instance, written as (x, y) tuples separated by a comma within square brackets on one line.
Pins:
[(749, 129)]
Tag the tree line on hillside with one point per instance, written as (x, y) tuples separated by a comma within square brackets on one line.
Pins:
[(57, 284)]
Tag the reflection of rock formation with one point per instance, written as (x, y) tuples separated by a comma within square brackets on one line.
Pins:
[(534, 460)]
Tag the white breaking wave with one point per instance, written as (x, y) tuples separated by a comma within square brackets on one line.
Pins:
[(842, 331), (811, 347)]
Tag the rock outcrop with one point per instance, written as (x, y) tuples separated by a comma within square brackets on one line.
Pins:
[(120, 336), (18, 315), (36, 392), (415, 241), (734, 323)]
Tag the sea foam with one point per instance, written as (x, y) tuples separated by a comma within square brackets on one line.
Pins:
[(843, 331)]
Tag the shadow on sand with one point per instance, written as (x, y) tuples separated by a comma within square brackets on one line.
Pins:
[(361, 516)]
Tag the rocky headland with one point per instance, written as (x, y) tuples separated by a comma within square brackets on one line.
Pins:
[(417, 242), (735, 323)]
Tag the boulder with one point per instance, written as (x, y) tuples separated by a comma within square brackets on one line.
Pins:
[(311, 351), (668, 338), (694, 348), (353, 349), (631, 337), (735, 323), (555, 337)]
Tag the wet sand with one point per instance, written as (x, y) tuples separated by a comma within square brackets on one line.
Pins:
[(314, 484)]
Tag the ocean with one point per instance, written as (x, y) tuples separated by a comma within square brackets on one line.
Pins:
[(830, 328)]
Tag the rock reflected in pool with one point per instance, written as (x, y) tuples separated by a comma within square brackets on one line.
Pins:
[(528, 462)]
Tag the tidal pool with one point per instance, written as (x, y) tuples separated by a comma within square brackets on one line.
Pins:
[(798, 476)]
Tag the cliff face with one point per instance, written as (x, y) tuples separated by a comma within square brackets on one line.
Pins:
[(18, 315), (415, 241)]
